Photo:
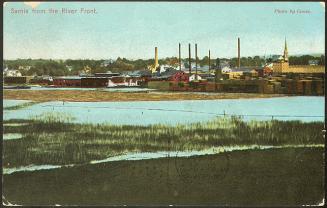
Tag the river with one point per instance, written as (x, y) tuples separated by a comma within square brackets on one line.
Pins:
[(304, 108)]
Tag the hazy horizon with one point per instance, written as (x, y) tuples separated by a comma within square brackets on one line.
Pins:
[(132, 29)]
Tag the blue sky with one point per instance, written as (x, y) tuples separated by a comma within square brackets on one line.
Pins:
[(132, 30)]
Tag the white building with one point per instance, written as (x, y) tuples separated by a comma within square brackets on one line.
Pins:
[(226, 69), (12, 73), (192, 77), (164, 68)]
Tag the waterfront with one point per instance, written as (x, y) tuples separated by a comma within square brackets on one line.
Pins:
[(304, 108)]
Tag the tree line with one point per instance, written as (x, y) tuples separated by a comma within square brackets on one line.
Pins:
[(51, 67)]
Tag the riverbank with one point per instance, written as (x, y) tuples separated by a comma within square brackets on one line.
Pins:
[(101, 96), (53, 140), (275, 177)]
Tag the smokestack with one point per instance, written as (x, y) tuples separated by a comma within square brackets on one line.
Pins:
[(218, 73), (156, 57), (209, 60), (196, 61), (179, 57), (189, 59), (239, 53)]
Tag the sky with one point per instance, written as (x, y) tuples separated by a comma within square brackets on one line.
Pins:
[(132, 29)]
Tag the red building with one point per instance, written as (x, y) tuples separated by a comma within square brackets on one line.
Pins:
[(173, 76), (179, 76), (95, 81), (267, 71), (67, 81)]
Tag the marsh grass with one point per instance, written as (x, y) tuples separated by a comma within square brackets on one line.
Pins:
[(21, 106), (54, 139)]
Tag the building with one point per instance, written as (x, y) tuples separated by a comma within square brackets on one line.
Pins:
[(69, 68), (313, 62), (267, 71), (195, 77), (72, 81), (124, 81), (164, 68), (25, 68), (17, 80), (106, 74), (106, 63), (282, 65), (12, 73), (94, 81), (226, 69), (42, 80), (172, 75)]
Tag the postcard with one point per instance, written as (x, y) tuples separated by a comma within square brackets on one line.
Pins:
[(163, 103)]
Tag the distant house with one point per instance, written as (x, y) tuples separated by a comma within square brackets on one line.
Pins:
[(237, 73), (25, 68), (203, 69), (313, 62), (209, 77), (172, 75), (267, 71), (226, 69), (137, 73), (194, 77), (69, 68), (224, 63), (164, 68), (106, 63), (42, 80), (12, 73)]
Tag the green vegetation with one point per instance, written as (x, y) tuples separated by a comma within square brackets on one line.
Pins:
[(304, 60), (54, 139), (74, 67), (275, 177), (21, 106), (248, 61)]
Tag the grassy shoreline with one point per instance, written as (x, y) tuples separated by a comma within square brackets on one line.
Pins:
[(275, 177), (52, 139), (101, 96), (21, 106)]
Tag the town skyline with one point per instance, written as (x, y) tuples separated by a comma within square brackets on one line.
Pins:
[(111, 33)]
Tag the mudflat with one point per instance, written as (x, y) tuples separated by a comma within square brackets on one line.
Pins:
[(102, 96)]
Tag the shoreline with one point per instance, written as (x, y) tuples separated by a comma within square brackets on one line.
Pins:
[(105, 96), (178, 181)]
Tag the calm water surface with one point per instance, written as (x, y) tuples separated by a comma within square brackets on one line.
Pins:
[(10, 103), (304, 108)]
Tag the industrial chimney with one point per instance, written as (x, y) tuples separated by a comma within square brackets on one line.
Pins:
[(196, 61), (239, 53), (209, 61), (179, 56), (189, 59), (156, 64)]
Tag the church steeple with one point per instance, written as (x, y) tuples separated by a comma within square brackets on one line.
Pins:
[(285, 52)]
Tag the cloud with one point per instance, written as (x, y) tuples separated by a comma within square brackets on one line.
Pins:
[(32, 4)]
